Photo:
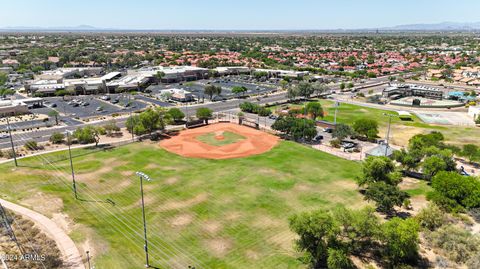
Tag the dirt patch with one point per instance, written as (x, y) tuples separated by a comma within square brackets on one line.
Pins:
[(176, 205), (186, 144), (212, 226), (233, 216), (252, 254), (63, 221), (171, 180), (181, 220), (219, 246), (46, 204)]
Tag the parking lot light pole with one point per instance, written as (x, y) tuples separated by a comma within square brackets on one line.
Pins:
[(142, 177), (74, 184), (11, 142)]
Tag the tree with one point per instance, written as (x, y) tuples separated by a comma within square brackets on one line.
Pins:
[(342, 131), (54, 113), (176, 114), (159, 75), (295, 128), (292, 93), (314, 109), (131, 123), (454, 192), (3, 78), (316, 231), (57, 138), (338, 259), (283, 84), (378, 169), (319, 88), (366, 127), (111, 128), (385, 196), (204, 113), (305, 89), (88, 134), (239, 90), (471, 152), (342, 86), (401, 241), (212, 90), (408, 160), (432, 165)]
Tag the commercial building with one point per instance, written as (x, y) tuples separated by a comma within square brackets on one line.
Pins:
[(284, 73), (396, 91), (178, 95), (18, 107), (70, 72)]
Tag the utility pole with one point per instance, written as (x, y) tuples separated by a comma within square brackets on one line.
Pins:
[(74, 184), (142, 177), (11, 142)]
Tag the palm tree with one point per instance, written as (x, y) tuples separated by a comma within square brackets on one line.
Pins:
[(54, 113)]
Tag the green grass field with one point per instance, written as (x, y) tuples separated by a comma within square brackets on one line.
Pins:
[(401, 130), (207, 213), (228, 138)]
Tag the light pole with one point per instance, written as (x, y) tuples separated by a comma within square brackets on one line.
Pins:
[(337, 104), (142, 177), (69, 142), (388, 131), (11, 142)]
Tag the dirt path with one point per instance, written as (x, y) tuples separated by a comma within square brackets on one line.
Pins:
[(71, 256)]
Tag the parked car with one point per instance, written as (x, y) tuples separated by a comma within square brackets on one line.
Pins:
[(3, 136)]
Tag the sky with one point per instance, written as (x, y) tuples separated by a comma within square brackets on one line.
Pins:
[(234, 15)]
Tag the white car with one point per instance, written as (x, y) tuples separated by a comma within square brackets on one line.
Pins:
[(3, 136)]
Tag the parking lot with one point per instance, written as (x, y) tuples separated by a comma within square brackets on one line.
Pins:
[(227, 84), (82, 107)]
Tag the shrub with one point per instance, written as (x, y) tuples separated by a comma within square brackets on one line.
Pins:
[(457, 244), (335, 143), (431, 217), (8, 154), (31, 145), (57, 138)]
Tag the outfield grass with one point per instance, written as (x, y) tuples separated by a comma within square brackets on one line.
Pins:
[(401, 130), (208, 213), (228, 138)]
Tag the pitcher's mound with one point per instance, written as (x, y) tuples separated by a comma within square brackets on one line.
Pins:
[(245, 141)]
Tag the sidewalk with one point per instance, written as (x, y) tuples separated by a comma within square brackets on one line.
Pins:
[(71, 256)]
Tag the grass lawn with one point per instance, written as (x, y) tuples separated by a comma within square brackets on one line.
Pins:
[(207, 213), (228, 138), (401, 131)]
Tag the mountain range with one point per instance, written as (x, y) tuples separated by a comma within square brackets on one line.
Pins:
[(443, 26)]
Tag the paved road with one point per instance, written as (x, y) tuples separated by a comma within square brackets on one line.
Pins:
[(44, 135), (71, 256)]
